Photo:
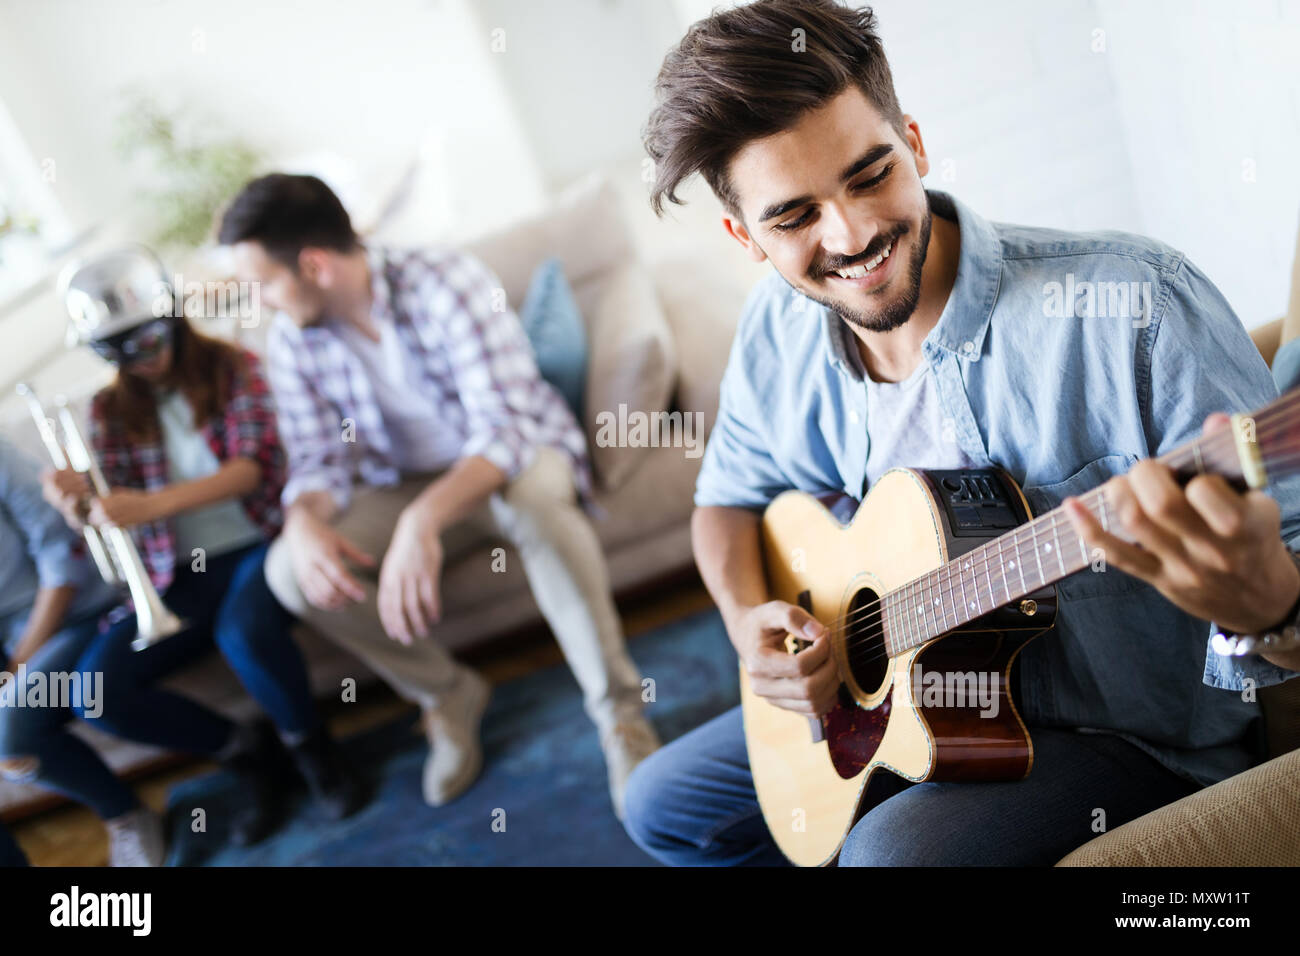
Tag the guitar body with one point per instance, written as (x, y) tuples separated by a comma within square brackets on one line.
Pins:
[(941, 710)]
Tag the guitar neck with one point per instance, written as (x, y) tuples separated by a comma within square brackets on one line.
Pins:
[(1256, 449)]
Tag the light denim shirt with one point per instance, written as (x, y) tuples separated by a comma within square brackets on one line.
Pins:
[(37, 550), (1062, 398)]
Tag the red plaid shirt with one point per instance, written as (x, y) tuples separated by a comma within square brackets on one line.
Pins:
[(246, 429)]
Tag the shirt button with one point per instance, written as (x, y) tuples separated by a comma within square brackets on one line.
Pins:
[(969, 348), (853, 416)]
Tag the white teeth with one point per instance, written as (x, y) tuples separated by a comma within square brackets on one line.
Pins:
[(860, 270)]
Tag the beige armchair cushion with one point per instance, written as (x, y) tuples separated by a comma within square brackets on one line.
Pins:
[(632, 361), (1252, 819)]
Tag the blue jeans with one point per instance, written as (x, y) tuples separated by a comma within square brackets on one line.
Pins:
[(64, 763), (693, 803), (230, 604)]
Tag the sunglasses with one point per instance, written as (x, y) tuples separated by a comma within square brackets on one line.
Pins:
[(141, 344)]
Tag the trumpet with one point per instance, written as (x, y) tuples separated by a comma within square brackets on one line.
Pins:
[(111, 547)]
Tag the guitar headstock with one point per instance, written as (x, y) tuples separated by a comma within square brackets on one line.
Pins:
[(1255, 449)]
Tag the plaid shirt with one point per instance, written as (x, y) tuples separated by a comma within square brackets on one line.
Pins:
[(245, 430), (476, 365)]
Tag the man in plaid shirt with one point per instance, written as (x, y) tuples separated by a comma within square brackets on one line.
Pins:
[(415, 422)]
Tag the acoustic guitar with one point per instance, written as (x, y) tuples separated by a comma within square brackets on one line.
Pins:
[(930, 593)]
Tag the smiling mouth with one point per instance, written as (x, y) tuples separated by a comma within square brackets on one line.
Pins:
[(864, 269)]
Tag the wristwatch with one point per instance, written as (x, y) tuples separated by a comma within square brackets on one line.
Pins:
[(1284, 636)]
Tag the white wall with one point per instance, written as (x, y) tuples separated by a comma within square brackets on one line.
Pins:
[(369, 82), (1029, 118), (581, 74), (1024, 118), (1209, 97), (352, 91)]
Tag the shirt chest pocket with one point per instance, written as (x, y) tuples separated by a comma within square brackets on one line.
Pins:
[(1092, 582)]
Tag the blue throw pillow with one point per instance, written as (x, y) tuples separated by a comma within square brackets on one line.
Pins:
[(559, 338)]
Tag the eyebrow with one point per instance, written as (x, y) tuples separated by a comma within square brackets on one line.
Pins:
[(873, 155)]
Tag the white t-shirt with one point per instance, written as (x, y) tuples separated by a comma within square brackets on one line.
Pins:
[(421, 443), (908, 428), (217, 529)]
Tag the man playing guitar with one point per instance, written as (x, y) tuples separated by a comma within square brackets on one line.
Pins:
[(902, 329)]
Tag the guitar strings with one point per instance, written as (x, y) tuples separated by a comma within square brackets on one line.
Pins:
[(862, 632), (924, 583), (932, 585)]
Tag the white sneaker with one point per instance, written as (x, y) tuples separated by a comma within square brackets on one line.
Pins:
[(455, 751), (626, 744), (136, 839)]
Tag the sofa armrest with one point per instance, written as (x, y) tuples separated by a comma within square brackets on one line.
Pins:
[(1251, 819)]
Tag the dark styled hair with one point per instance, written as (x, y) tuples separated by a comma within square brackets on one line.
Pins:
[(287, 214), (751, 72)]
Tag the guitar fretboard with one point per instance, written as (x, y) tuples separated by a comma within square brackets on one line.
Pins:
[(1047, 549)]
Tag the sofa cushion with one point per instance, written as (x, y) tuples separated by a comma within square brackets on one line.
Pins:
[(702, 306), (557, 333), (582, 228), (1251, 819), (633, 364)]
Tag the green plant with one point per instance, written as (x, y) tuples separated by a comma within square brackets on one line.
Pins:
[(15, 225), (195, 174)]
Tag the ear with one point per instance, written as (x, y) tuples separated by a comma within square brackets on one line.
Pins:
[(913, 137), (736, 228), (314, 265)]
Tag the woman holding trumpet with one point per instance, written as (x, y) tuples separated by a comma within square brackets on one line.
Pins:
[(185, 438)]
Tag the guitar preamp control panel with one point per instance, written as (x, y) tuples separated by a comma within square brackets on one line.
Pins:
[(977, 500)]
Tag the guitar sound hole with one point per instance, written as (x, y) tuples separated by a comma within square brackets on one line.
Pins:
[(864, 640)]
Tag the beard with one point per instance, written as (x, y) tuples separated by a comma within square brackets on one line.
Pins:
[(892, 314)]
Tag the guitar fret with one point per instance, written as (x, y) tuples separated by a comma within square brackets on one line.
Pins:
[(1042, 578), (931, 625), (915, 610), (894, 624), (941, 588), (949, 609), (922, 626), (896, 621), (1060, 558), (887, 623), (1006, 585), (975, 604), (918, 627), (993, 601), (906, 612), (962, 582), (1020, 561)]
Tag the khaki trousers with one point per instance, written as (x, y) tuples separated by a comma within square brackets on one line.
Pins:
[(539, 515)]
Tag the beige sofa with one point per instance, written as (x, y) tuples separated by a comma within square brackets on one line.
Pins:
[(659, 335)]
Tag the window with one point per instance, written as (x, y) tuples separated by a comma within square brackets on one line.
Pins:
[(33, 227)]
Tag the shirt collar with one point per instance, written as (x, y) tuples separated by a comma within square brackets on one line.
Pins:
[(381, 296), (965, 318), (964, 321)]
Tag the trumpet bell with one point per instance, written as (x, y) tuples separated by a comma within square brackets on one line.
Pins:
[(158, 625)]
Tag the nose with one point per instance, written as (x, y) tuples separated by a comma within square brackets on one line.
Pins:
[(845, 232)]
